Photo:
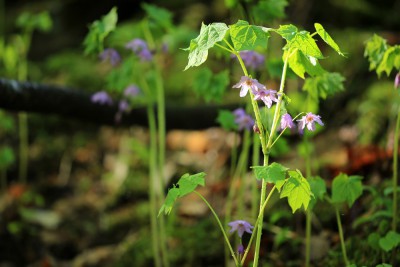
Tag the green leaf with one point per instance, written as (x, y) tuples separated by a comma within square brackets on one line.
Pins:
[(306, 44), (390, 241), (99, 30), (7, 157), (373, 240), (211, 86), (208, 37), (227, 120), (346, 188), (300, 64), (327, 38), (374, 50), (248, 37), (29, 22), (297, 190), (324, 85), (160, 16), (318, 187), (274, 173), (188, 183), (390, 60), (172, 196), (269, 10), (384, 265), (287, 32)]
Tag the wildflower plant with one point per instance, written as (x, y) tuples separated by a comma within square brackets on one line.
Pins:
[(301, 54)]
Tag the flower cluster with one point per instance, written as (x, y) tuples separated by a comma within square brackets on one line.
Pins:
[(243, 120), (102, 98), (259, 91), (140, 48)]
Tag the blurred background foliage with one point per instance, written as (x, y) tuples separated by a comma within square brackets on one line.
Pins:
[(70, 158)]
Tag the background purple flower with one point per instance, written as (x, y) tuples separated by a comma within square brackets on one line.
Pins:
[(140, 48), (243, 120), (102, 98), (240, 226), (252, 59), (131, 91), (110, 54), (397, 81)]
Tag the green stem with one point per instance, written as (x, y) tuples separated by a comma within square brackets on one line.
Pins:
[(339, 223), (152, 184), (221, 227), (395, 171), (254, 185), (23, 146), (257, 224), (308, 212)]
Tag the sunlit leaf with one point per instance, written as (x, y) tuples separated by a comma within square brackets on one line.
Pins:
[(248, 37), (99, 30), (306, 44), (390, 60), (297, 190), (172, 196), (375, 49), (287, 32), (318, 189), (41, 21), (327, 38), (390, 241), (208, 37), (324, 85), (274, 173), (346, 188), (300, 64), (188, 183)]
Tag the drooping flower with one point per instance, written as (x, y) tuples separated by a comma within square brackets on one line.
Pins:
[(397, 81), (110, 54), (131, 91), (252, 59), (240, 249), (267, 96), (102, 98), (140, 48), (247, 84), (286, 121), (240, 226), (242, 119), (309, 119)]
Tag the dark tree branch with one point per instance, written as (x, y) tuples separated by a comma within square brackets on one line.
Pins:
[(47, 99)]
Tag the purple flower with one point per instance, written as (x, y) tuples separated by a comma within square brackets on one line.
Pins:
[(102, 98), (131, 91), (252, 59), (286, 121), (267, 96), (240, 249), (247, 83), (240, 226), (243, 120), (110, 54), (123, 105), (309, 119), (140, 48), (397, 81)]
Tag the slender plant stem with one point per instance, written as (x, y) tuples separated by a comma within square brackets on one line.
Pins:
[(254, 185), (221, 227), (339, 223), (153, 178), (306, 143), (395, 171), (256, 225)]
